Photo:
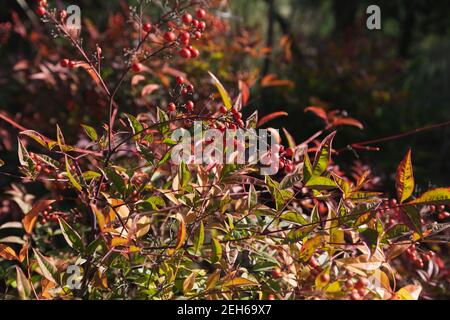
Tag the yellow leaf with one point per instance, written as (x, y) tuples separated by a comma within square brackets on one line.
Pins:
[(405, 178), (189, 282), (117, 241), (239, 282), (212, 280), (409, 292), (434, 196), (223, 93), (7, 253)]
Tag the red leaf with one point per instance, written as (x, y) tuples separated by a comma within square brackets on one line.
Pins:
[(270, 117), (347, 122), (318, 111)]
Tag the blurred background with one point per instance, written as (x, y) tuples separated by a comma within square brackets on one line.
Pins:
[(291, 53)]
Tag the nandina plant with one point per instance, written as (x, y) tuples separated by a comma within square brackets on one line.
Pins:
[(120, 219)]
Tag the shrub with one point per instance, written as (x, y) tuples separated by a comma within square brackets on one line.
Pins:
[(120, 220)]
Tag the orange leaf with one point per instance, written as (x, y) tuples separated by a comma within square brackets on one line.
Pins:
[(318, 111), (245, 92), (181, 235), (270, 117), (347, 122), (7, 253), (405, 178), (29, 221), (89, 70)]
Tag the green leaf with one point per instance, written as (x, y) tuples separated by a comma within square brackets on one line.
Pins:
[(323, 155), (370, 239), (89, 175), (307, 168), (435, 196), (252, 197), (71, 177), (397, 231), (163, 120), (71, 236), (413, 215), (135, 125), (294, 217), (405, 178), (199, 238), (291, 179), (115, 179), (48, 269), (223, 93), (23, 284), (91, 133), (321, 183), (216, 250), (184, 175), (39, 138)]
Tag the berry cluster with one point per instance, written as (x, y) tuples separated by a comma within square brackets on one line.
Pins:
[(48, 215), (440, 212), (183, 90), (417, 258)]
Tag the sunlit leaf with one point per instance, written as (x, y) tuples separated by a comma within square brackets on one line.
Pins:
[(72, 237), (405, 178), (223, 93), (23, 284), (323, 155), (434, 196)]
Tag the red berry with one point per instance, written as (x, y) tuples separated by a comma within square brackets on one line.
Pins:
[(197, 35), (441, 208), (349, 284), (64, 63), (362, 283), (201, 25), (281, 149), (184, 91), (237, 116), (289, 152), (234, 110), (276, 273), (190, 105), (172, 107), (185, 53), (313, 263), (281, 164), (180, 80), (44, 221), (137, 67), (362, 292), (190, 88), (270, 297), (187, 18), (63, 14), (200, 13), (325, 277), (195, 23), (185, 36), (443, 215), (147, 27), (289, 167), (170, 36), (355, 296), (43, 3), (71, 64), (232, 126), (41, 11), (223, 110), (194, 53)]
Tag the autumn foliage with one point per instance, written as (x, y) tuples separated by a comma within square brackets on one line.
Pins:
[(112, 203)]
